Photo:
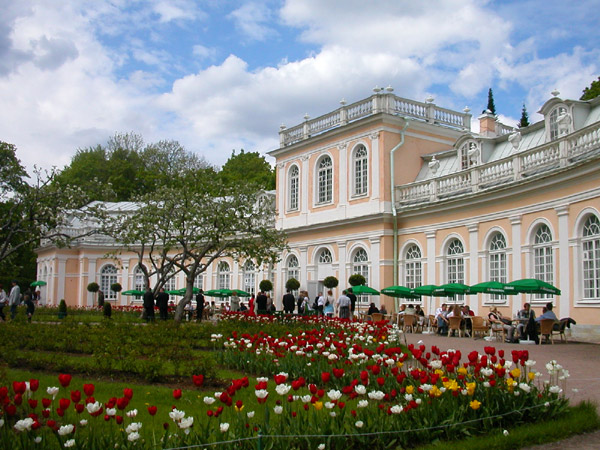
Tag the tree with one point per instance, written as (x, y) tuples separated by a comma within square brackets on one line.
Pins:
[(591, 92), (524, 122), (93, 287), (490, 103), (266, 286), (252, 167), (330, 282), (31, 213), (197, 220), (292, 284)]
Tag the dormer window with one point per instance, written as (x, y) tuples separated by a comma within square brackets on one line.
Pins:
[(469, 154)]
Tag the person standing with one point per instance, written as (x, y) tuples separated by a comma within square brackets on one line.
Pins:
[(149, 304), (235, 302), (3, 302), (344, 305), (100, 298), (162, 301), (320, 304), (14, 298), (199, 305), (28, 300), (288, 302), (261, 303), (352, 298)]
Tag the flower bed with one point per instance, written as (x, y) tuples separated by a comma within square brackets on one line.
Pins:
[(346, 385)]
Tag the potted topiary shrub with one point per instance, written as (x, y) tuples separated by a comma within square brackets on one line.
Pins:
[(116, 287), (93, 287), (357, 280), (330, 282), (292, 284), (266, 286), (107, 310), (62, 309)]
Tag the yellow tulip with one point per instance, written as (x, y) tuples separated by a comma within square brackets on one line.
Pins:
[(475, 404)]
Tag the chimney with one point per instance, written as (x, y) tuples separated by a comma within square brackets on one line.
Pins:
[(487, 124)]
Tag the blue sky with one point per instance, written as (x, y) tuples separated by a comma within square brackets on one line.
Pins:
[(223, 75)]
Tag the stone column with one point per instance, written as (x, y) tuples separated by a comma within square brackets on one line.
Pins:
[(517, 271), (342, 259), (374, 175), (563, 262), (473, 264), (61, 276), (430, 235)]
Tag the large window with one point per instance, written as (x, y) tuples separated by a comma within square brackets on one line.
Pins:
[(293, 188), (360, 266), (325, 180), (250, 277), (413, 276), (325, 257), (170, 283), (199, 281), (108, 276), (224, 275), (591, 258), (497, 263), (361, 170), (553, 122), (293, 268), (455, 264), (543, 260), (138, 281)]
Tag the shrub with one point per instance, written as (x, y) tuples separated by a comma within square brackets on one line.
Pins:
[(357, 280), (107, 310), (292, 284), (93, 287), (266, 285), (330, 282), (116, 287), (62, 309)]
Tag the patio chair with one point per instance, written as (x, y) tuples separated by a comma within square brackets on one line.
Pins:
[(454, 325), (561, 330), (498, 331), (546, 329), (410, 322), (376, 317), (479, 325), (432, 323)]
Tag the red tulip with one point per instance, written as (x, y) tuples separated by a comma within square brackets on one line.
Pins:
[(127, 392), (176, 394), (88, 389), (46, 413), (198, 380), (3, 392), (76, 396), (32, 403), (119, 419), (338, 373), (18, 399), (10, 409), (19, 387), (34, 384), (152, 410), (79, 407), (60, 412), (64, 379), (325, 376)]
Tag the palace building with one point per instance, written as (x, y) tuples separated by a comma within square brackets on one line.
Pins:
[(404, 193)]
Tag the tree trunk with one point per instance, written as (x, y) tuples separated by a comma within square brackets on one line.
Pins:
[(187, 298)]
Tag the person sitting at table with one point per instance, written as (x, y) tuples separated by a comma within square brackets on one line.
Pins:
[(420, 315), (382, 310), (523, 316), (547, 313), (243, 307), (372, 309), (498, 321), (410, 310), (442, 321), (467, 314), (455, 311)]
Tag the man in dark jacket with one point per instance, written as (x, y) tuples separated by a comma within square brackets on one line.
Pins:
[(288, 302), (352, 298), (199, 305), (162, 301), (149, 304), (261, 303)]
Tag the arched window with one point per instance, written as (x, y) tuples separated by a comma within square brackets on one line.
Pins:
[(360, 263), (325, 181), (553, 121), (469, 154), (199, 281), (455, 264), (293, 188), (591, 258), (138, 279), (325, 257), (108, 276), (413, 276), (293, 268), (224, 275), (543, 258), (497, 262), (361, 170), (250, 277), (170, 283)]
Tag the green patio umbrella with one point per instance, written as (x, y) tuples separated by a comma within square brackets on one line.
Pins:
[(493, 287), (451, 289), (38, 283), (534, 286), (174, 292), (222, 293), (399, 292), (429, 289), (182, 291), (362, 289), (133, 292)]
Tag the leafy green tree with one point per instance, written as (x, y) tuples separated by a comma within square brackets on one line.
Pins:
[(524, 122), (357, 280), (195, 221), (35, 212), (249, 166), (490, 103), (292, 284), (330, 282), (266, 286), (591, 92)]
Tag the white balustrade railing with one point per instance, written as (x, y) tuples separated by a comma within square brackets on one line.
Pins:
[(570, 150), (378, 103)]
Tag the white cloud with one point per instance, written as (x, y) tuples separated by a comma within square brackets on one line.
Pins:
[(251, 19)]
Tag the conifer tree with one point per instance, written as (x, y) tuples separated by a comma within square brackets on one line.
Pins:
[(490, 105), (524, 122)]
